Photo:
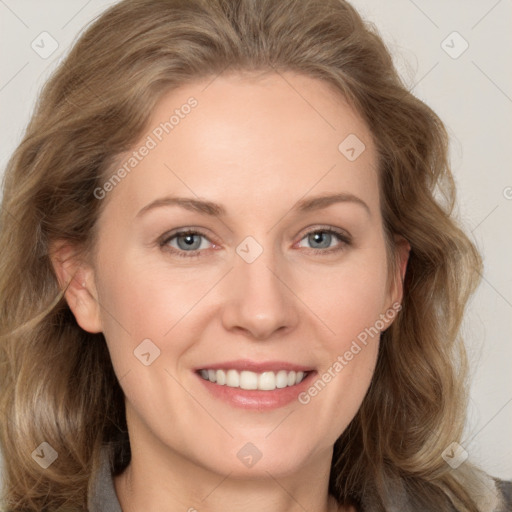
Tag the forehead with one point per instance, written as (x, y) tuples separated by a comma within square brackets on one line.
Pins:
[(237, 136)]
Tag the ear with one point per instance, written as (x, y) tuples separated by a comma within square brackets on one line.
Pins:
[(401, 254), (76, 278)]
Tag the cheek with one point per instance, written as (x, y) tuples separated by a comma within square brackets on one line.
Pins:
[(349, 298), (142, 300)]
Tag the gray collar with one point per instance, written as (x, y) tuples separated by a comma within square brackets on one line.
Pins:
[(102, 497)]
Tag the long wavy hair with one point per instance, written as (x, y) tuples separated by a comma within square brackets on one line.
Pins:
[(57, 382)]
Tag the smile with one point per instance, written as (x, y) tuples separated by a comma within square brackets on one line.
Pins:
[(248, 380)]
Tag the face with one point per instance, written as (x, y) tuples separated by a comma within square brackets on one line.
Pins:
[(251, 279)]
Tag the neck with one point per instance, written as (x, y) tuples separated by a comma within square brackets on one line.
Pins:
[(187, 479), (159, 478)]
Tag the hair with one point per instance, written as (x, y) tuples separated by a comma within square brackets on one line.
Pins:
[(57, 383)]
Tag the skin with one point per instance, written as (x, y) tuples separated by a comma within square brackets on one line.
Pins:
[(255, 146)]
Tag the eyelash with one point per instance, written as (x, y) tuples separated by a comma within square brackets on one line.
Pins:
[(341, 235)]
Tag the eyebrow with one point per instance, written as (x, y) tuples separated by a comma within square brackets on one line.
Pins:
[(216, 210)]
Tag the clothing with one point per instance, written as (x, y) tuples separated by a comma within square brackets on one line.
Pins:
[(103, 496), (506, 491)]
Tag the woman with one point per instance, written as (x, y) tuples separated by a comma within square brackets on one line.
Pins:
[(173, 338)]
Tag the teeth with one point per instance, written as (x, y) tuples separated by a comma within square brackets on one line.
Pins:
[(232, 379), (220, 376), (266, 381), (281, 379), (248, 380)]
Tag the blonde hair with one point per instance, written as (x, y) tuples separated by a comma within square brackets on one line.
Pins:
[(57, 383)]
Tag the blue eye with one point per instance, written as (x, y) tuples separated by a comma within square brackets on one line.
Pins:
[(324, 237), (189, 243)]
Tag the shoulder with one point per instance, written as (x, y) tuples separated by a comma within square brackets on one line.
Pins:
[(491, 494), (505, 492)]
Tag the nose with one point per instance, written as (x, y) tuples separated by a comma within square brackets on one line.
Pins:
[(260, 299)]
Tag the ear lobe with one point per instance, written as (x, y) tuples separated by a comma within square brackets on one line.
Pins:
[(76, 279)]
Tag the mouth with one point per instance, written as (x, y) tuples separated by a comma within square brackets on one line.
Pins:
[(256, 385), (253, 381)]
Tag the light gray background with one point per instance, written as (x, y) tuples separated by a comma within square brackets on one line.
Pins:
[(472, 93)]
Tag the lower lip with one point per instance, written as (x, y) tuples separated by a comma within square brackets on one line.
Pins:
[(255, 399)]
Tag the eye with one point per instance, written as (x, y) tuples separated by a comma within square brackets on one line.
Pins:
[(187, 244), (321, 239)]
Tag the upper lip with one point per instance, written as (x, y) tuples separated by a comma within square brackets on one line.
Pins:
[(255, 366)]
